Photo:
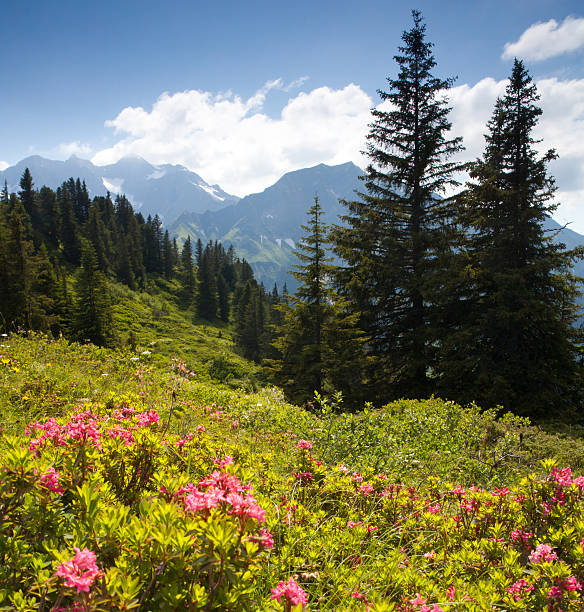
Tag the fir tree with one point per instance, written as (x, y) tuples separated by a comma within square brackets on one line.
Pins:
[(315, 325), (516, 345), (398, 236), (93, 318), (187, 274)]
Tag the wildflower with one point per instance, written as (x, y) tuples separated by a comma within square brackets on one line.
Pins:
[(434, 509), (50, 480), (366, 489), (543, 553), (80, 572), (519, 588), (265, 539), (451, 593), (418, 600), (290, 591), (304, 444), (201, 428), (563, 477)]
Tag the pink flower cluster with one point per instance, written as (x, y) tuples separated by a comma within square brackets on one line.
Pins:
[(564, 584), (50, 480), (303, 476), (83, 426), (221, 489), (145, 419), (304, 444), (543, 553), (80, 572), (121, 432), (291, 591), (420, 601), (519, 588), (86, 427)]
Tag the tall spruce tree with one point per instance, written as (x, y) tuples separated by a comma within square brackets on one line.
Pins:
[(516, 346), (315, 326), (93, 318), (398, 236)]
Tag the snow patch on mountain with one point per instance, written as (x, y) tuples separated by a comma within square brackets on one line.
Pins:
[(210, 190), (114, 185), (157, 174)]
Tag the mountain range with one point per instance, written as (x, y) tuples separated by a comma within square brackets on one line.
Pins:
[(166, 190), (264, 228)]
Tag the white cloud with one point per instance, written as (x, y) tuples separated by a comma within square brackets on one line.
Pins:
[(232, 142), (543, 40), (66, 149), (3, 165)]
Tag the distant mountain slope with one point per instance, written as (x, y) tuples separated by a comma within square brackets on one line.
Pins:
[(265, 227), (165, 189)]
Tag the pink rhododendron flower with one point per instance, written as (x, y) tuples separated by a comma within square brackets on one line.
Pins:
[(265, 539), (343, 468), (356, 477), (201, 428), (434, 509), (290, 591), (122, 433), (304, 444), (50, 480), (80, 572), (418, 600), (519, 588), (151, 417), (451, 593), (543, 553), (563, 477), (366, 489)]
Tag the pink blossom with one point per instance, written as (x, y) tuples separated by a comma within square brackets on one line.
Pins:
[(290, 591), (519, 588), (79, 572), (304, 444), (418, 600), (201, 428), (555, 592), (366, 489), (122, 433), (356, 477), (434, 509), (151, 417), (303, 476), (451, 593), (343, 468), (543, 553), (563, 477), (50, 480), (458, 490), (265, 539)]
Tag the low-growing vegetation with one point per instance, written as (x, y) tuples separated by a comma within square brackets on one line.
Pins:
[(128, 485)]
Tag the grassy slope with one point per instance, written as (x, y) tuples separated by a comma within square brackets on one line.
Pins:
[(166, 330), (427, 445)]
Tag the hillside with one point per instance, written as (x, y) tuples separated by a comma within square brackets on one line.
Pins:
[(138, 486)]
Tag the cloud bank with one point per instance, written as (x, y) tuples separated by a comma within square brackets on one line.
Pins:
[(233, 142), (544, 40)]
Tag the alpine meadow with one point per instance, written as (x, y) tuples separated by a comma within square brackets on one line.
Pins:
[(353, 390)]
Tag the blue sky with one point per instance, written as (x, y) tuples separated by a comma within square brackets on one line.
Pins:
[(242, 92)]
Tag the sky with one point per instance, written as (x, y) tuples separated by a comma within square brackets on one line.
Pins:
[(242, 92)]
